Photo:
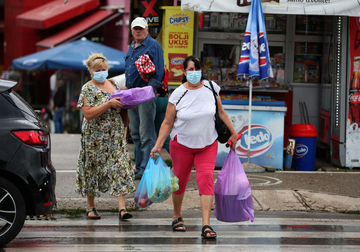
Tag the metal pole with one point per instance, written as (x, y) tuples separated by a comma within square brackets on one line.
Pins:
[(249, 127)]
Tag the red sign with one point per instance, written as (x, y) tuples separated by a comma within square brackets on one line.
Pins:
[(150, 10), (354, 96)]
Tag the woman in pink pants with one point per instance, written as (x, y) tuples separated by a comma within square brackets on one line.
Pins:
[(190, 119)]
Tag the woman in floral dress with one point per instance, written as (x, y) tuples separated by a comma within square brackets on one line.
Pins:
[(104, 163)]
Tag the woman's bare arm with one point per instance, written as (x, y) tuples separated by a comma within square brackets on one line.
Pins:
[(225, 118), (93, 112), (165, 128)]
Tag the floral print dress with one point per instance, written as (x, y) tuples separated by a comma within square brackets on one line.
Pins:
[(104, 163)]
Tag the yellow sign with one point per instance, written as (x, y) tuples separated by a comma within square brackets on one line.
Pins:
[(178, 38)]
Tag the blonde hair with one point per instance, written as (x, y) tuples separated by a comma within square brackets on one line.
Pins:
[(96, 60)]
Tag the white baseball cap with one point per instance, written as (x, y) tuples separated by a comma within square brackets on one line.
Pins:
[(139, 21)]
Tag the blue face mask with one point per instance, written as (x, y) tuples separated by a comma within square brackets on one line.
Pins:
[(100, 76), (193, 76)]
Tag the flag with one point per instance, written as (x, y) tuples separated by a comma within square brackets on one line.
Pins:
[(255, 57)]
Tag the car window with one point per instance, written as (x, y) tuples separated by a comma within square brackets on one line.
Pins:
[(25, 108), (8, 110)]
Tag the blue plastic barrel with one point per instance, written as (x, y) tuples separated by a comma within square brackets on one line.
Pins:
[(305, 146)]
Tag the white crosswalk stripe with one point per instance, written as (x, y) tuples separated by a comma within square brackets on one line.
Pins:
[(155, 234)]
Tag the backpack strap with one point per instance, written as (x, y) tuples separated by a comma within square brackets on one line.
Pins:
[(181, 97), (212, 88)]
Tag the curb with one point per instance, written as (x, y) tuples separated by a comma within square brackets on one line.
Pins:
[(264, 200)]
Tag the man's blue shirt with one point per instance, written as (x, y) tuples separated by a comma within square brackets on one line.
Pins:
[(151, 47)]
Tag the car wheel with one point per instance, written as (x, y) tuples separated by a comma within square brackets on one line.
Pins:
[(12, 211)]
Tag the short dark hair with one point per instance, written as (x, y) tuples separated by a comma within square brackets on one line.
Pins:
[(194, 59), (197, 64)]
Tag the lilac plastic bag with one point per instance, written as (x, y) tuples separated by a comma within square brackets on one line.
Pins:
[(134, 96), (233, 195)]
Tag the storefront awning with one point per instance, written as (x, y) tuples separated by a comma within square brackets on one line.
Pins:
[(80, 29), (313, 7), (55, 12)]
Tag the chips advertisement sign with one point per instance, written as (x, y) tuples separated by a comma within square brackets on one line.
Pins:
[(177, 40)]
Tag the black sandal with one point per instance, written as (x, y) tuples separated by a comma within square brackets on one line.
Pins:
[(205, 233), (176, 226), (125, 216), (97, 215)]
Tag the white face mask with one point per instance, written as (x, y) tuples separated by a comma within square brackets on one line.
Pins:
[(100, 76), (193, 76)]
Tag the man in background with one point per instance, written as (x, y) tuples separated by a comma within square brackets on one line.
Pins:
[(5, 74), (52, 86), (142, 118), (59, 106), (14, 75)]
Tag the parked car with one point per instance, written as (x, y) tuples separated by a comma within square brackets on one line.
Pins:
[(27, 177)]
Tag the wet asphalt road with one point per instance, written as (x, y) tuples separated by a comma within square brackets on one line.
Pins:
[(151, 231), (65, 149)]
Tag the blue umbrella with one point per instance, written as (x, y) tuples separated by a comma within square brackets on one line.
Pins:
[(255, 59), (71, 56)]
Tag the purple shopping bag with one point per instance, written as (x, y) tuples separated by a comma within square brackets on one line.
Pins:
[(233, 195), (134, 96)]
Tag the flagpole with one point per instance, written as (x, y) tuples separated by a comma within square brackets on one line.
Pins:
[(249, 127)]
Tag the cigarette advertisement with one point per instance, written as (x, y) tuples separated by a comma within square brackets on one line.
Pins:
[(150, 10), (178, 35)]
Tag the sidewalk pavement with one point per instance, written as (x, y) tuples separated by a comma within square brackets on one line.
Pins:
[(264, 200)]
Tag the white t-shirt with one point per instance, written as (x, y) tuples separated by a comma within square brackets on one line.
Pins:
[(194, 123), (53, 82)]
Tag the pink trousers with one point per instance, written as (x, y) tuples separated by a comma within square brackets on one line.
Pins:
[(183, 159)]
